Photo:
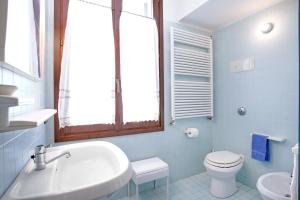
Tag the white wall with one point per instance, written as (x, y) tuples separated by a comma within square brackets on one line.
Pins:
[(177, 9)]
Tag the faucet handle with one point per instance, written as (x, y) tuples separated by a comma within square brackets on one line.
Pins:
[(40, 149)]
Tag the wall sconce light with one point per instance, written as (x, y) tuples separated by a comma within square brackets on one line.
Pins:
[(267, 28)]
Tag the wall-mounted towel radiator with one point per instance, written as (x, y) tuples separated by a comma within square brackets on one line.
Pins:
[(191, 75)]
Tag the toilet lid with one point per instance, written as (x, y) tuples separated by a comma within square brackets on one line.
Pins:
[(224, 158), (224, 165)]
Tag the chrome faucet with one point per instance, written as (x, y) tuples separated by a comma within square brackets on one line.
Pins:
[(39, 157)]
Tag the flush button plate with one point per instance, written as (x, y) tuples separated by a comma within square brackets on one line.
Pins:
[(247, 64)]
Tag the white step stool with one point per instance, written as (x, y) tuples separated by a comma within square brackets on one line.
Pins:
[(148, 170)]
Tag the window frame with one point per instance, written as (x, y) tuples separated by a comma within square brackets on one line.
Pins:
[(106, 130)]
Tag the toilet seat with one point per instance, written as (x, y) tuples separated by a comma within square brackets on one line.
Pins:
[(223, 159)]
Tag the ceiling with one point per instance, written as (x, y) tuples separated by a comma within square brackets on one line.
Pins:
[(217, 14)]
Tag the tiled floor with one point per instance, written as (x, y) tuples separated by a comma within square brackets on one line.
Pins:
[(195, 188)]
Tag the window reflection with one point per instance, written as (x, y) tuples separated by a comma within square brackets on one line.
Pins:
[(22, 35)]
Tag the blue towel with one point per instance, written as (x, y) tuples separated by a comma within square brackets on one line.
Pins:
[(260, 147)]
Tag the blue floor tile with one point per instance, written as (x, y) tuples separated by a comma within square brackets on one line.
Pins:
[(195, 188)]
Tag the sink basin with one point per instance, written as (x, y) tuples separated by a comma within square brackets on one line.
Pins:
[(274, 186), (94, 170)]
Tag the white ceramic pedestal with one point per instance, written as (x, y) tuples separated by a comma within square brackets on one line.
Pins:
[(223, 188)]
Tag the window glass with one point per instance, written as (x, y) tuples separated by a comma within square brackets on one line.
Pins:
[(139, 68), (87, 82), (139, 7)]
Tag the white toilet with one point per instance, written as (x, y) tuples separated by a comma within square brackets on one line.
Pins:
[(223, 166)]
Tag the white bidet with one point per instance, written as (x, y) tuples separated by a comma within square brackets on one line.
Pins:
[(275, 186)]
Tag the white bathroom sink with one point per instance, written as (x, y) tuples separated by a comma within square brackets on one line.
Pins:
[(94, 170)]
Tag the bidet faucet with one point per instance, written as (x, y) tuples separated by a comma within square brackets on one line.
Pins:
[(39, 157)]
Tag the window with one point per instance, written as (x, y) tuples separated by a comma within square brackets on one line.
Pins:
[(108, 68)]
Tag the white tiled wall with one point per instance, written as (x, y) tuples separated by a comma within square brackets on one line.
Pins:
[(17, 146)]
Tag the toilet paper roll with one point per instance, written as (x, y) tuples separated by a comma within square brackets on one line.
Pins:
[(191, 132)]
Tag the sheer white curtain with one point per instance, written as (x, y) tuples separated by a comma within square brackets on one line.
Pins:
[(139, 68), (20, 42), (86, 93)]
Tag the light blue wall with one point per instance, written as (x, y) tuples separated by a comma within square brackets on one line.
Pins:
[(270, 93), (15, 150), (17, 146)]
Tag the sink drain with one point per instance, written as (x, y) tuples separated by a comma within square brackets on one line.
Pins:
[(287, 195)]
